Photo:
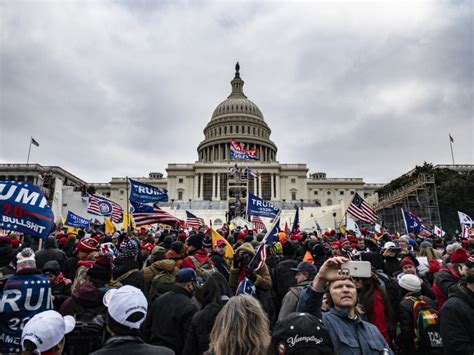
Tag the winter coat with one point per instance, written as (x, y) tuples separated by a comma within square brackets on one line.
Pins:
[(349, 336), (61, 287), (201, 256), (446, 278), (378, 316), (407, 327), (123, 265), (131, 345), (156, 267), (197, 341), (290, 301), (263, 281), (86, 296), (49, 253), (283, 277), (221, 264), (169, 319), (70, 267), (392, 266), (457, 321)]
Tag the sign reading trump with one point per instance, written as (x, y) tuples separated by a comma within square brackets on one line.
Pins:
[(23, 208), (259, 207)]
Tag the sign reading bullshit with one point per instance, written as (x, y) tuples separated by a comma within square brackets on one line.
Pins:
[(23, 208)]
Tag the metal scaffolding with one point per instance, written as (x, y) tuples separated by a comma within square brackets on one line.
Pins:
[(419, 197)]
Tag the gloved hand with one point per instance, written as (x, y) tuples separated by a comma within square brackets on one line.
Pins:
[(252, 276)]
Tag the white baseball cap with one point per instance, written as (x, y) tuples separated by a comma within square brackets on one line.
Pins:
[(47, 329), (389, 245), (125, 301)]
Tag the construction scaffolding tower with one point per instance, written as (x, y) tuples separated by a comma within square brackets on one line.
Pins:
[(419, 197)]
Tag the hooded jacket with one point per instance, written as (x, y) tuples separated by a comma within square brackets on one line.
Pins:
[(123, 265), (263, 279), (457, 327), (156, 267), (201, 256), (61, 287), (50, 252), (86, 296)]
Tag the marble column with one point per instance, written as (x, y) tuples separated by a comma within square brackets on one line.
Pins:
[(218, 186), (213, 186), (201, 187), (278, 196), (260, 186), (196, 187), (272, 177)]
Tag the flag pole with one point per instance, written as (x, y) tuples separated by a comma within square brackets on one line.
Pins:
[(29, 150), (128, 208), (450, 144)]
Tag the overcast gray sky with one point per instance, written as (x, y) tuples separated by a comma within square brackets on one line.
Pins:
[(355, 89)]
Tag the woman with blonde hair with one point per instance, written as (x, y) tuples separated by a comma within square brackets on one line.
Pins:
[(241, 328)]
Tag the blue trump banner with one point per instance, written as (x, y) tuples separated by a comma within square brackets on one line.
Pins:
[(259, 207), (413, 223), (73, 220), (23, 296), (144, 193), (23, 208)]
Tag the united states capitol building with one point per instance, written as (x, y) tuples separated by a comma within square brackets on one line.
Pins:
[(215, 187)]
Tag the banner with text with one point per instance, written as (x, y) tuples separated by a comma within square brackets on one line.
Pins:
[(144, 193), (259, 207), (73, 220), (23, 208)]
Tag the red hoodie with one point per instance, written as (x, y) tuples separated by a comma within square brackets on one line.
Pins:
[(200, 255)]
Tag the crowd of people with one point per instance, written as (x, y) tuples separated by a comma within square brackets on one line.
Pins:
[(161, 291)]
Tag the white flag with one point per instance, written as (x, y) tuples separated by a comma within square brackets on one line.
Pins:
[(438, 231), (352, 225), (465, 219)]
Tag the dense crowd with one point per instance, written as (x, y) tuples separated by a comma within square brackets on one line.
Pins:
[(160, 291)]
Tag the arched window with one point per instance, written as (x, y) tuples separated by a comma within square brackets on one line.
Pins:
[(225, 129), (231, 129), (236, 129), (329, 202)]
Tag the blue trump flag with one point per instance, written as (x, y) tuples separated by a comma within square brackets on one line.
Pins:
[(23, 208), (246, 286), (73, 220), (144, 193), (413, 223), (259, 207)]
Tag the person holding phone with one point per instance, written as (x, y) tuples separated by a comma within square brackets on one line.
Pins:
[(349, 333)]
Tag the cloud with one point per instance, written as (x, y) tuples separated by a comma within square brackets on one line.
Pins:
[(124, 88)]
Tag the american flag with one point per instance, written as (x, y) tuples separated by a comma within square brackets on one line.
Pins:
[(145, 214), (193, 221), (361, 210), (258, 223), (246, 286), (101, 206)]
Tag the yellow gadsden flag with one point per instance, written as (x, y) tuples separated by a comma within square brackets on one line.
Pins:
[(127, 218), (109, 226), (229, 251)]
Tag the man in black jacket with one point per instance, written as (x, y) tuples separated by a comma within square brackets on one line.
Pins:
[(50, 252), (217, 257), (126, 311), (169, 319), (457, 315)]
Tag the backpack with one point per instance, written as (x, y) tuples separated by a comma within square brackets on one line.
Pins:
[(89, 333), (426, 326), (117, 283), (284, 277), (161, 283), (204, 269)]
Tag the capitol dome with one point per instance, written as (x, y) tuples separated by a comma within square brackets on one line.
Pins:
[(236, 118)]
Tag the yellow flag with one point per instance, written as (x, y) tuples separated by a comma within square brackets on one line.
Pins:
[(229, 251), (343, 229), (109, 226), (126, 220)]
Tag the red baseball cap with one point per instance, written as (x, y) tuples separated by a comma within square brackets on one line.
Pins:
[(219, 243)]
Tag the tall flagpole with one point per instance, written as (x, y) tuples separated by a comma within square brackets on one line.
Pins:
[(128, 208), (29, 150), (450, 144)]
